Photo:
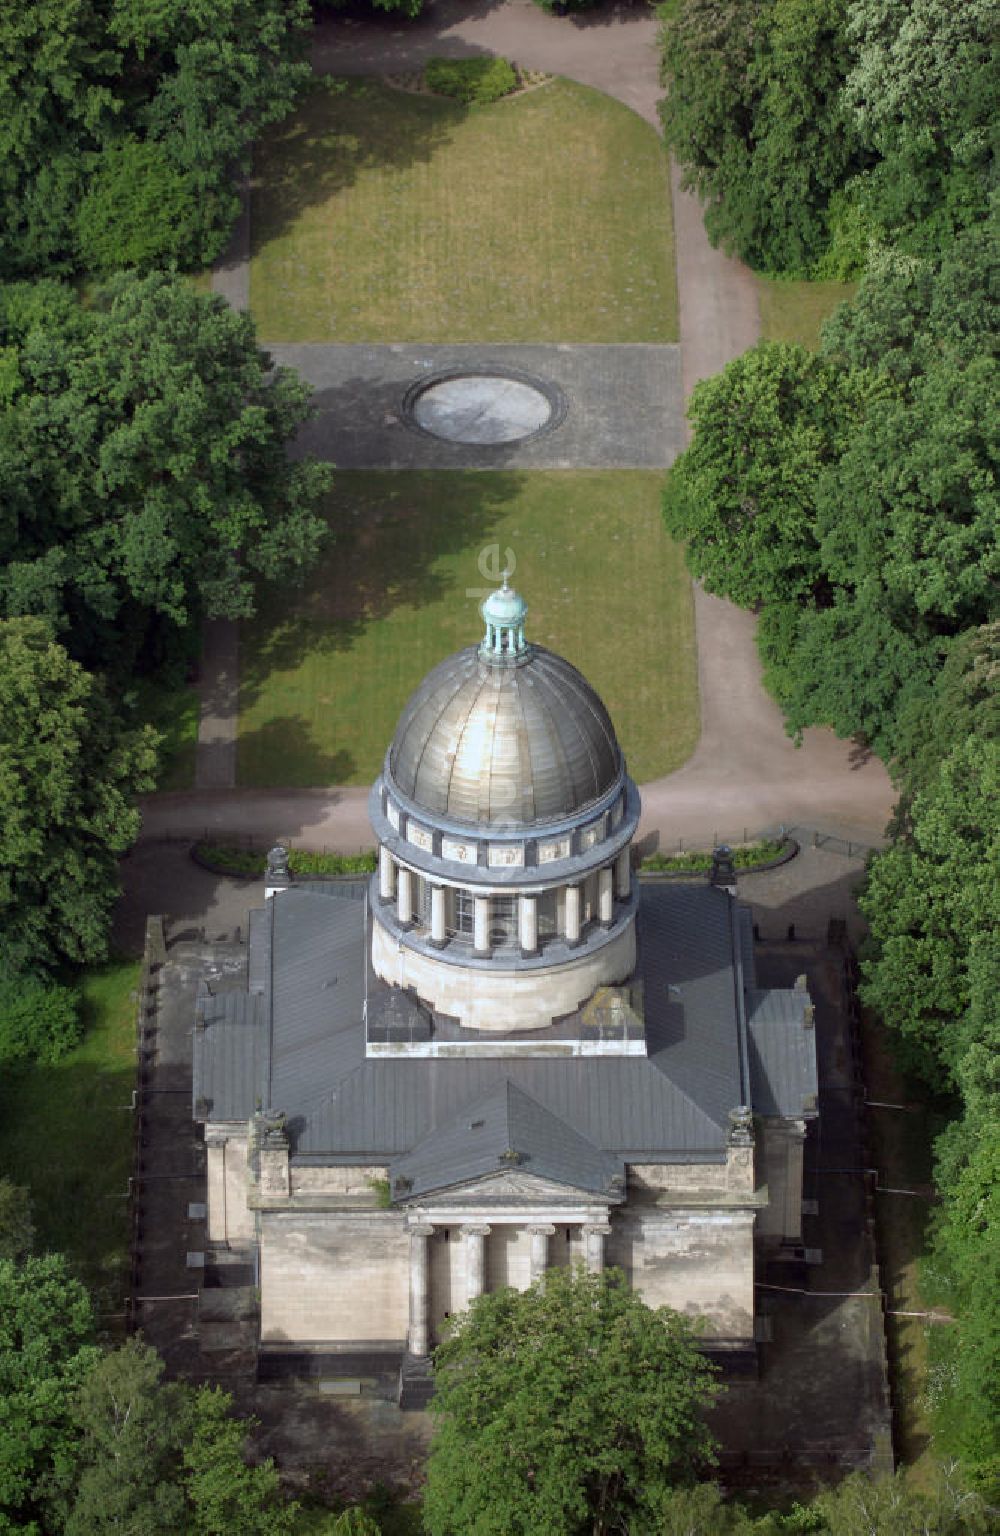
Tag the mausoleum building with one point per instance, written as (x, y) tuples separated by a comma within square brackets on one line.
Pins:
[(506, 1052)]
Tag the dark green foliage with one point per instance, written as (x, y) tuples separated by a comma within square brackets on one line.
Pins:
[(68, 771), (175, 92), (471, 81), (743, 858), (754, 112), (39, 1020), (46, 1350), (139, 210), (568, 1407), (153, 1456), (231, 860), (928, 899), (810, 130), (924, 91), (566, 7), (743, 495), (144, 454), (17, 1228)]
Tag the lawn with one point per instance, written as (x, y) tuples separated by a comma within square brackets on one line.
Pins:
[(380, 215), (172, 707), (66, 1132), (325, 673), (795, 311)]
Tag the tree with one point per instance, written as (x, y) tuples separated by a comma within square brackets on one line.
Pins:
[(923, 91), (176, 88), (56, 102), (153, 1456), (565, 1408), (754, 113), (225, 1494), (17, 1228), (743, 495), (145, 452), (39, 1019), (67, 774), (46, 1333), (927, 899)]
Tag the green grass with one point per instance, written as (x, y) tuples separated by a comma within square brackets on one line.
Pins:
[(902, 1148), (380, 215), (173, 708), (65, 1132), (325, 673), (795, 311)]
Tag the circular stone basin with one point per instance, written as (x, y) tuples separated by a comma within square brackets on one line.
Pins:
[(481, 408)]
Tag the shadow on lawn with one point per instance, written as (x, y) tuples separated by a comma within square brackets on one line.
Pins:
[(283, 751), (341, 129), (388, 538)]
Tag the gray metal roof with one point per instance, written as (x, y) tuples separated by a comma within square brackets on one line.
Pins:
[(782, 1042), (507, 1129), (518, 740), (299, 1045)]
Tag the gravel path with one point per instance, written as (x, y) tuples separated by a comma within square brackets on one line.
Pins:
[(745, 770)]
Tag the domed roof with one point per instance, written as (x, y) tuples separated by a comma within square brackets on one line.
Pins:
[(486, 742), (504, 732)]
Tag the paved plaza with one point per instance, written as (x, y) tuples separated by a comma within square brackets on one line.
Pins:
[(623, 405)]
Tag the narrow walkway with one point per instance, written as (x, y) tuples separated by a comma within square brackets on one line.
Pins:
[(745, 770)]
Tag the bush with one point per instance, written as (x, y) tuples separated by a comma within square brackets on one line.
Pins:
[(251, 862), (39, 1020), (472, 81), (141, 211), (694, 863)]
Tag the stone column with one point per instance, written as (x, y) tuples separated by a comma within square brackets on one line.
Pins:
[(481, 925), (527, 913), (573, 906), (623, 874), (418, 1337), (475, 1237), (594, 1238), (606, 896), (438, 899), (539, 1251), (404, 896), (386, 874)]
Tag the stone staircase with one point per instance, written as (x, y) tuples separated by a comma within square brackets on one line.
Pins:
[(416, 1382)]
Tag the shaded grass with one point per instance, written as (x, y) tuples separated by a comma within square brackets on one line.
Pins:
[(66, 1133), (795, 310), (326, 673), (902, 1148), (173, 709), (384, 216)]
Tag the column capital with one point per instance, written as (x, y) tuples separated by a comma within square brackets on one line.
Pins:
[(475, 1229), (599, 1228), (543, 1228), (419, 1226)]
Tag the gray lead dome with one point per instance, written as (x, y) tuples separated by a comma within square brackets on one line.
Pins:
[(516, 741)]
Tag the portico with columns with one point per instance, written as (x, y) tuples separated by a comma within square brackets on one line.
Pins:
[(504, 1053)]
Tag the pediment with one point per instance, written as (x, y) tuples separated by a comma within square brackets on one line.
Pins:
[(502, 1188)]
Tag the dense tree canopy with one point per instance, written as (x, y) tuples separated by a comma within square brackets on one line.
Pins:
[(143, 448), (743, 496), (810, 129), (46, 1350), (86, 84), (67, 774), (566, 1408), (755, 114)]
